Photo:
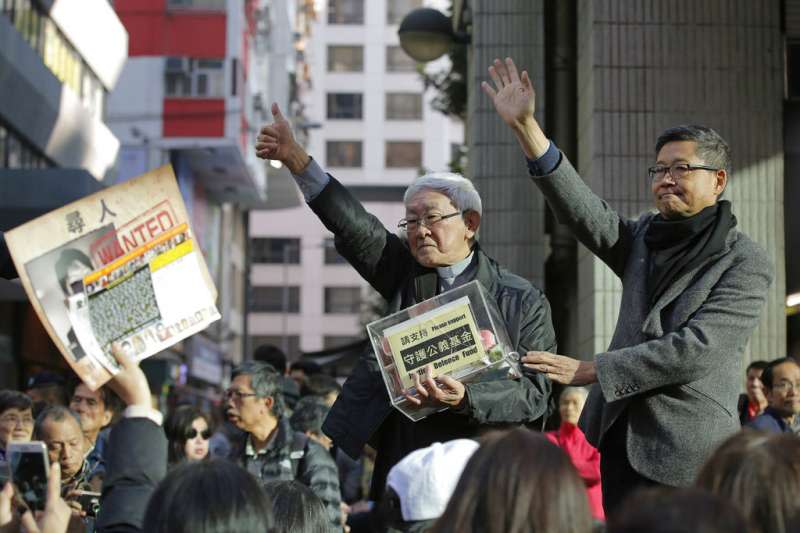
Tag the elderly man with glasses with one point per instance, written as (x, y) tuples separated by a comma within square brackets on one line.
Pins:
[(664, 393), (781, 379), (271, 450), (440, 252)]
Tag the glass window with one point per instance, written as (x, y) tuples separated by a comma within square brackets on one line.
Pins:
[(345, 58), (398, 61), (343, 154), (202, 78), (344, 106), (397, 9), (342, 300), (345, 11), (275, 299), (332, 257), (275, 250), (403, 106), (403, 154)]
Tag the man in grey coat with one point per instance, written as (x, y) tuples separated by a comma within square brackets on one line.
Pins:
[(664, 393)]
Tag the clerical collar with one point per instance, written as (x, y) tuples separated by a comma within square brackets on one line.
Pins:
[(448, 274)]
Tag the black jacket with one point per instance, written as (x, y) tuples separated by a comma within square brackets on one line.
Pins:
[(289, 458), (363, 412), (136, 461)]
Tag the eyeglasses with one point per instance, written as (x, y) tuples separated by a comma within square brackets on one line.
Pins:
[(16, 420), (192, 433), (410, 224), (238, 395), (786, 385), (678, 171)]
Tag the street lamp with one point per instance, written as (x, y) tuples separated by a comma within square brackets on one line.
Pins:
[(427, 34)]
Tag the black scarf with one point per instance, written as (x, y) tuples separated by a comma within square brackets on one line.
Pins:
[(677, 246)]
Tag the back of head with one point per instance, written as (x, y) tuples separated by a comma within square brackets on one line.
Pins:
[(268, 353), (308, 415), (669, 510), (759, 472), (517, 482), (320, 385), (296, 509), (215, 496)]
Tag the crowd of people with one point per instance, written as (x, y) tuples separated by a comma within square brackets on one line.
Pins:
[(164, 477), (651, 434)]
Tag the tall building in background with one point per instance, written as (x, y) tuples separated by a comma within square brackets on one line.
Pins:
[(192, 94), (58, 61), (368, 121)]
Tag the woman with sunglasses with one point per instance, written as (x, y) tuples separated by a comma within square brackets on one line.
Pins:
[(188, 430)]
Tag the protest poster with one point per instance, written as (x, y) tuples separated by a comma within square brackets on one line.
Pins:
[(121, 265)]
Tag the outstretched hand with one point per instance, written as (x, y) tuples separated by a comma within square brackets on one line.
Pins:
[(512, 94)]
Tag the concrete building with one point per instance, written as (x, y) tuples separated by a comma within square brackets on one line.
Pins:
[(369, 123), (611, 75), (192, 94), (58, 61)]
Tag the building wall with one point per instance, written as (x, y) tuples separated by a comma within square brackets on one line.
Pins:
[(643, 67), (512, 228)]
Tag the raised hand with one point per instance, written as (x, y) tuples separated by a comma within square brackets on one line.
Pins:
[(276, 141), (130, 383), (512, 95)]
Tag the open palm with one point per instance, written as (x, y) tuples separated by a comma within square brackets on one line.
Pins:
[(512, 94)]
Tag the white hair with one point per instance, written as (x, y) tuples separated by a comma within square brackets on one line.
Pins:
[(581, 391), (459, 189)]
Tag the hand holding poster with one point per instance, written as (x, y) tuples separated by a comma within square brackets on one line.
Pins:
[(121, 265), (457, 333)]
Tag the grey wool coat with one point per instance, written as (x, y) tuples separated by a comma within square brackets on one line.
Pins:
[(675, 366)]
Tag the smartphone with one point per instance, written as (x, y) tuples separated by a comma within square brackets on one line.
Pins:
[(90, 501), (28, 467)]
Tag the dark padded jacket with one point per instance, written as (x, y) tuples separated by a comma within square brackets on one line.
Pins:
[(136, 462), (363, 412), (311, 464)]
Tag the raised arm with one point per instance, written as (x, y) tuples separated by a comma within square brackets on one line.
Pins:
[(595, 224), (137, 453), (376, 253)]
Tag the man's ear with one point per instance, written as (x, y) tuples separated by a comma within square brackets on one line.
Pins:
[(269, 402), (107, 416), (722, 181), (472, 219)]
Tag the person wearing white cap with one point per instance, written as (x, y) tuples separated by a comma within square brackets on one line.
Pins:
[(422, 483)]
